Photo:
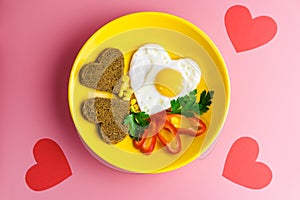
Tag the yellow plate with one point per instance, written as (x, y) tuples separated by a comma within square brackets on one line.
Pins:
[(181, 39)]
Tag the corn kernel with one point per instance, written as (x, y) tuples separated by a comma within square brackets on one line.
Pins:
[(123, 87), (126, 85), (121, 93), (126, 98), (129, 90), (125, 78), (133, 101), (127, 94), (136, 107), (132, 108)]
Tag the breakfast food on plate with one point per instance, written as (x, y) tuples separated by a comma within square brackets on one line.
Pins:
[(164, 104), (104, 74), (157, 79), (125, 91), (109, 114), (183, 117), (156, 101)]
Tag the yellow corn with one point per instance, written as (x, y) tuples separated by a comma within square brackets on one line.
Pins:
[(136, 107), (133, 101), (126, 98), (126, 84), (123, 87), (125, 91), (132, 108), (125, 78), (127, 94), (129, 90), (121, 93)]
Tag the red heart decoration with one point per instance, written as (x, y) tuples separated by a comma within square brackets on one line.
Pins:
[(242, 168), (52, 166), (246, 33)]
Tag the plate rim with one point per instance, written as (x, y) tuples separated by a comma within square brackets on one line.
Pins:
[(225, 77)]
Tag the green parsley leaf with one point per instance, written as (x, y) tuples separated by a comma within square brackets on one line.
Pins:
[(137, 123), (185, 105), (188, 105), (141, 118), (205, 101), (176, 107)]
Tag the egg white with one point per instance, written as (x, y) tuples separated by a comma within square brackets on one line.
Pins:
[(146, 63)]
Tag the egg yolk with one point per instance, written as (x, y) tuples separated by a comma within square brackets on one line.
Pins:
[(169, 82)]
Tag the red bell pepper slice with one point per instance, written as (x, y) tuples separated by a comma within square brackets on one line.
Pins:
[(159, 120), (197, 127), (169, 138), (200, 124), (138, 143), (147, 143)]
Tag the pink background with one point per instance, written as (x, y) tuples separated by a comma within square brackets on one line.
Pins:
[(39, 41)]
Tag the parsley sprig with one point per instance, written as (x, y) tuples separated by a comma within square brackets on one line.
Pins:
[(205, 101), (188, 105), (137, 122)]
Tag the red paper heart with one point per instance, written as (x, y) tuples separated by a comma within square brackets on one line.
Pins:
[(242, 168), (246, 33), (52, 166)]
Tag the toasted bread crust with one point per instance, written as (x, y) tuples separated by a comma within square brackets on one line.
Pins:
[(105, 73), (109, 115)]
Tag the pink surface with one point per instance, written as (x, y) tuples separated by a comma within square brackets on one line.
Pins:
[(39, 42)]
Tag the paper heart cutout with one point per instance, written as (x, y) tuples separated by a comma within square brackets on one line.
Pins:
[(242, 168), (246, 33), (52, 166)]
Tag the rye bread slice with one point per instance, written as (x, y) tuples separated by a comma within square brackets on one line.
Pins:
[(105, 73), (109, 115)]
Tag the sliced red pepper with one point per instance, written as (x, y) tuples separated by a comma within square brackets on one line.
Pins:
[(169, 138), (197, 126), (138, 143), (200, 124), (177, 120), (147, 143), (159, 120)]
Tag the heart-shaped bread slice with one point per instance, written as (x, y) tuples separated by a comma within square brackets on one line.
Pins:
[(109, 114), (105, 73)]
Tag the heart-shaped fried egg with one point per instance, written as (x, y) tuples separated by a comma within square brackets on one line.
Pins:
[(157, 79)]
